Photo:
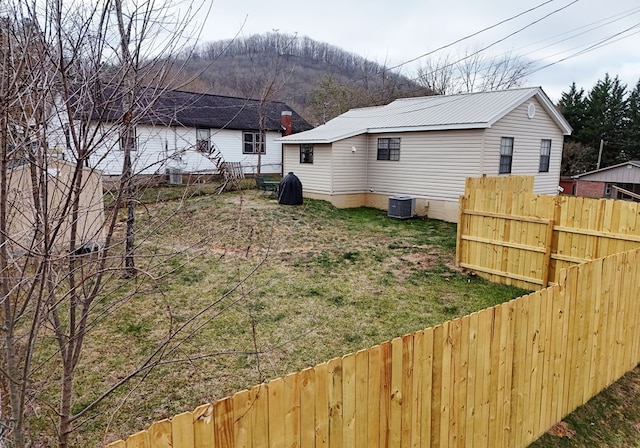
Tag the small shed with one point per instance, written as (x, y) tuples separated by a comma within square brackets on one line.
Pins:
[(23, 218), (621, 181)]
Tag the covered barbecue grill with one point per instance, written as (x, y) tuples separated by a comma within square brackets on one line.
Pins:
[(290, 190)]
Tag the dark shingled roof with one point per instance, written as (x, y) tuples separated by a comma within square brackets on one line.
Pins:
[(221, 112), (180, 108)]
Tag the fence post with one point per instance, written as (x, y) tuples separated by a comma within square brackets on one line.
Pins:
[(462, 204), (549, 249)]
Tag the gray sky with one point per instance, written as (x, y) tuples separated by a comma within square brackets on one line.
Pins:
[(393, 32)]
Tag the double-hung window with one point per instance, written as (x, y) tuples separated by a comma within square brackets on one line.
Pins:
[(203, 140), (506, 155), (306, 153), (545, 155), (253, 143), (389, 148), (128, 140)]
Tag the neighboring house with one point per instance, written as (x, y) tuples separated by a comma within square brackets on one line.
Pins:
[(23, 219), (426, 147), (610, 181), (185, 132)]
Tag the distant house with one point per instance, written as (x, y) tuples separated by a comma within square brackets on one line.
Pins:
[(24, 221), (184, 132), (426, 147), (620, 181)]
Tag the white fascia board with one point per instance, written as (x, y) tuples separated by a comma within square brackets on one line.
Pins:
[(319, 140)]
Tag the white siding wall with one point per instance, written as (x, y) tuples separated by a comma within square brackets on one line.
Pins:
[(432, 164), (159, 148), (316, 176), (349, 170), (527, 134)]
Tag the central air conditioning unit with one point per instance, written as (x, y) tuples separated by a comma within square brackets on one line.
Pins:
[(401, 207), (175, 176)]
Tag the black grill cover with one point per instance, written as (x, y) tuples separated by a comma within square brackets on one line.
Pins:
[(290, 191)]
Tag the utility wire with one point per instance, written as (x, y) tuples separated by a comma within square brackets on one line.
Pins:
[(469, 36)]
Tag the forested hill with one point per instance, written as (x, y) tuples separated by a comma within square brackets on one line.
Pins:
[(318, 80)]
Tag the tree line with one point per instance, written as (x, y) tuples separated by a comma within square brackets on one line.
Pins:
[(605, 122)]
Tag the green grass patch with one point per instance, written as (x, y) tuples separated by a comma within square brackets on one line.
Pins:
[(265, 290)]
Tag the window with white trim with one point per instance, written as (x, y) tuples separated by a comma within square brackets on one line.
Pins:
[(203, 140), (128, 139), (253, 143), (389, 148), (545, 155), (506, 155)]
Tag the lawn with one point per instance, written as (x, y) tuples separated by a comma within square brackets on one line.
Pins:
[(251, 291)]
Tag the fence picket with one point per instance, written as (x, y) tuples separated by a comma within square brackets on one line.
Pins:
[(307, 408), (203, 427), (160, 434), (182, 430), (375, 397), (292, 410)]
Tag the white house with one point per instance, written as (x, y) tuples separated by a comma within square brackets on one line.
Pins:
[(180, 131), (426, 147)]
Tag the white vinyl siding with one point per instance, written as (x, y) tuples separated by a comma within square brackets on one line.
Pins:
[(432, 164), (527, 133), (350, 167), (315, 177), (159, 148)]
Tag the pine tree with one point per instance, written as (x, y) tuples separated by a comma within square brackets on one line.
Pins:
[(632, 128), (606, 109)]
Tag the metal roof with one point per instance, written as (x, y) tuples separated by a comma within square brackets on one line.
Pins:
[(634, 163), (430, 113)]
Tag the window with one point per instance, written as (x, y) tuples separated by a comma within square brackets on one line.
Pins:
[(203, 143), (607, 190), (506, 155), (306, 153), (545, 155), (253, 143), (128, 139), (388, 149)]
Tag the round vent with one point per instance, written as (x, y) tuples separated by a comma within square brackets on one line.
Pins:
[(531, 110)]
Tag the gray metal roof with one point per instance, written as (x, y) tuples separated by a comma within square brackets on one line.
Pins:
[(630, 163), (430, 113)]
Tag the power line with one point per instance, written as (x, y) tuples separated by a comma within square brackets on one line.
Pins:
[(469, 36)]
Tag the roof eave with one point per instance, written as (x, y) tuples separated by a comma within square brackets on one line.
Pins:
[(300, 138), (606, 168)]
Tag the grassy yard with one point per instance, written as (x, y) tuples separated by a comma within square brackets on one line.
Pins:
[(261, 290), (252, 291)]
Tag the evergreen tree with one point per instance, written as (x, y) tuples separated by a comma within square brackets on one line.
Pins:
[(573, 107), (632, 128), (606, 109)]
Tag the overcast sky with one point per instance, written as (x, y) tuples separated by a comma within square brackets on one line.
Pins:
[(393, 32)]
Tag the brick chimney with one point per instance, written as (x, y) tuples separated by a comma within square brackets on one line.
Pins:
[(286, 119)]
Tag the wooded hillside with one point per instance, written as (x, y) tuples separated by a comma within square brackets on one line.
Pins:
[(318, 80)]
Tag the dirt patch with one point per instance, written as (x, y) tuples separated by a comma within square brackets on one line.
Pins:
[(562, 429), (424, 260)]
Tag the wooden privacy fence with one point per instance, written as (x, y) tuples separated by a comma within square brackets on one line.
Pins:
[(526, 239), (496, 378)]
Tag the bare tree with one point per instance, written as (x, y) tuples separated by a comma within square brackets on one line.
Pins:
[(73, 70), (472, 72)]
